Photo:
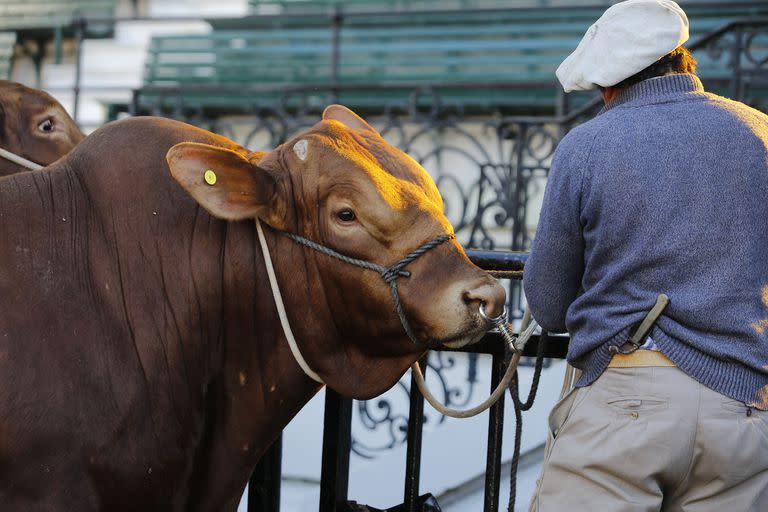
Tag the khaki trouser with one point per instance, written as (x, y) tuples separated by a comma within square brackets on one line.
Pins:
[(653, 439)]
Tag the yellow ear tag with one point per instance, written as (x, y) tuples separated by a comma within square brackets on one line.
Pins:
[(210, 177)]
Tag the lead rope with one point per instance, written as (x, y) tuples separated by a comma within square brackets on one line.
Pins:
[(281, 308), (514, 392), (19, 160), (514, 344)]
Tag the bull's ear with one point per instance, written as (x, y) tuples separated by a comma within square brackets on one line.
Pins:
[(346, 117), (224, 182)]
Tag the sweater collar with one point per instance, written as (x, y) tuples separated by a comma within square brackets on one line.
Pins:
[(654, 89)]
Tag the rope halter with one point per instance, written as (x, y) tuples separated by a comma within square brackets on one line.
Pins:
[(389, 274)]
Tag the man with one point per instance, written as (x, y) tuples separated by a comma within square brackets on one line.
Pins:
[(663, 194)]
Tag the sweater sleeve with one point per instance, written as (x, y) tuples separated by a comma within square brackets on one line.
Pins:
[(555, 267)]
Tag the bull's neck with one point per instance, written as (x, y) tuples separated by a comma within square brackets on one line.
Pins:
[(261, 387), (256, 355), (211, 274)]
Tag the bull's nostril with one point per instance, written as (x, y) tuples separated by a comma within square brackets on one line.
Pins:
[(491, 297), (493, 319)]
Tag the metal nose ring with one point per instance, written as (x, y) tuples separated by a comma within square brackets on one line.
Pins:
[(496, 320)]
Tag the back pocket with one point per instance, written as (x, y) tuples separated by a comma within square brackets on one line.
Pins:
[(628, 404)]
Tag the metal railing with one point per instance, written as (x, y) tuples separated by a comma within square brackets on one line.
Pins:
[(743, 45)]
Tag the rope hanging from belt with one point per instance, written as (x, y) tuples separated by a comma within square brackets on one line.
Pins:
[(520, 407)]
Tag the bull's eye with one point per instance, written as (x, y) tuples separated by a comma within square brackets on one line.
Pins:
[(46, 126), (346, 215)]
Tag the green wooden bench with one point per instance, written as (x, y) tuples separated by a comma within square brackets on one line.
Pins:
[(504, 58), (376, 65), (7, 45), (322, 17)]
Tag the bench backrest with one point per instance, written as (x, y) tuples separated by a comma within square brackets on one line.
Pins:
[(512, 53)]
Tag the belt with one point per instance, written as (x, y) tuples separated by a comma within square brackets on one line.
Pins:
[(640, 358)]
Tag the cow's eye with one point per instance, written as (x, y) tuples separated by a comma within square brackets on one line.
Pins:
[(346, 215), (46, 126)]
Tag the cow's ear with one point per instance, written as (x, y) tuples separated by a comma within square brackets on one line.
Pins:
[(346, 117), (224, 182)]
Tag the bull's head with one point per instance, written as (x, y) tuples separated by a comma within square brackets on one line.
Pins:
[(342, 185)]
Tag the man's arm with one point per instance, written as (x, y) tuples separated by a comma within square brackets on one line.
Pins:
[(554, 270)]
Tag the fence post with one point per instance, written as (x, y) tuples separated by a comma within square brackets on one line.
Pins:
[(264, 485), (413, 451), (336, 22), (337, 441), (736, 51), (495, 431)]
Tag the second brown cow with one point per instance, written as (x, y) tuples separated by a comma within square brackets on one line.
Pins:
[(34, 126)]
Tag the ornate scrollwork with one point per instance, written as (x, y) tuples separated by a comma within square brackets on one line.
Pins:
[(382, 423), (756, 46)]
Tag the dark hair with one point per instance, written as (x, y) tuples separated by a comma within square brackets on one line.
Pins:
[(679, 60)]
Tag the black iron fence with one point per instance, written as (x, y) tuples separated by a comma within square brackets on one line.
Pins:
[(743, 47)]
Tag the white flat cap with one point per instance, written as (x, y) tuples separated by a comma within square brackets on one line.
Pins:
[(628, 37)]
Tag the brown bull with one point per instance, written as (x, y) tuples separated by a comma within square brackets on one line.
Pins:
[(34, 126), (142, 362)]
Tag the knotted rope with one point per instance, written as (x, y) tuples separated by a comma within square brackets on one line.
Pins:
[(389, 274)]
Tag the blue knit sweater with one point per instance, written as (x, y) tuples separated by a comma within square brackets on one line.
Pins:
[(665, 191)]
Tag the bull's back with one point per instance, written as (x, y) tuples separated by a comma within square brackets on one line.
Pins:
[(83, 248), (66, 232)]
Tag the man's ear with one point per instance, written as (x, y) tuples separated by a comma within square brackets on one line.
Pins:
[(225, 183)]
